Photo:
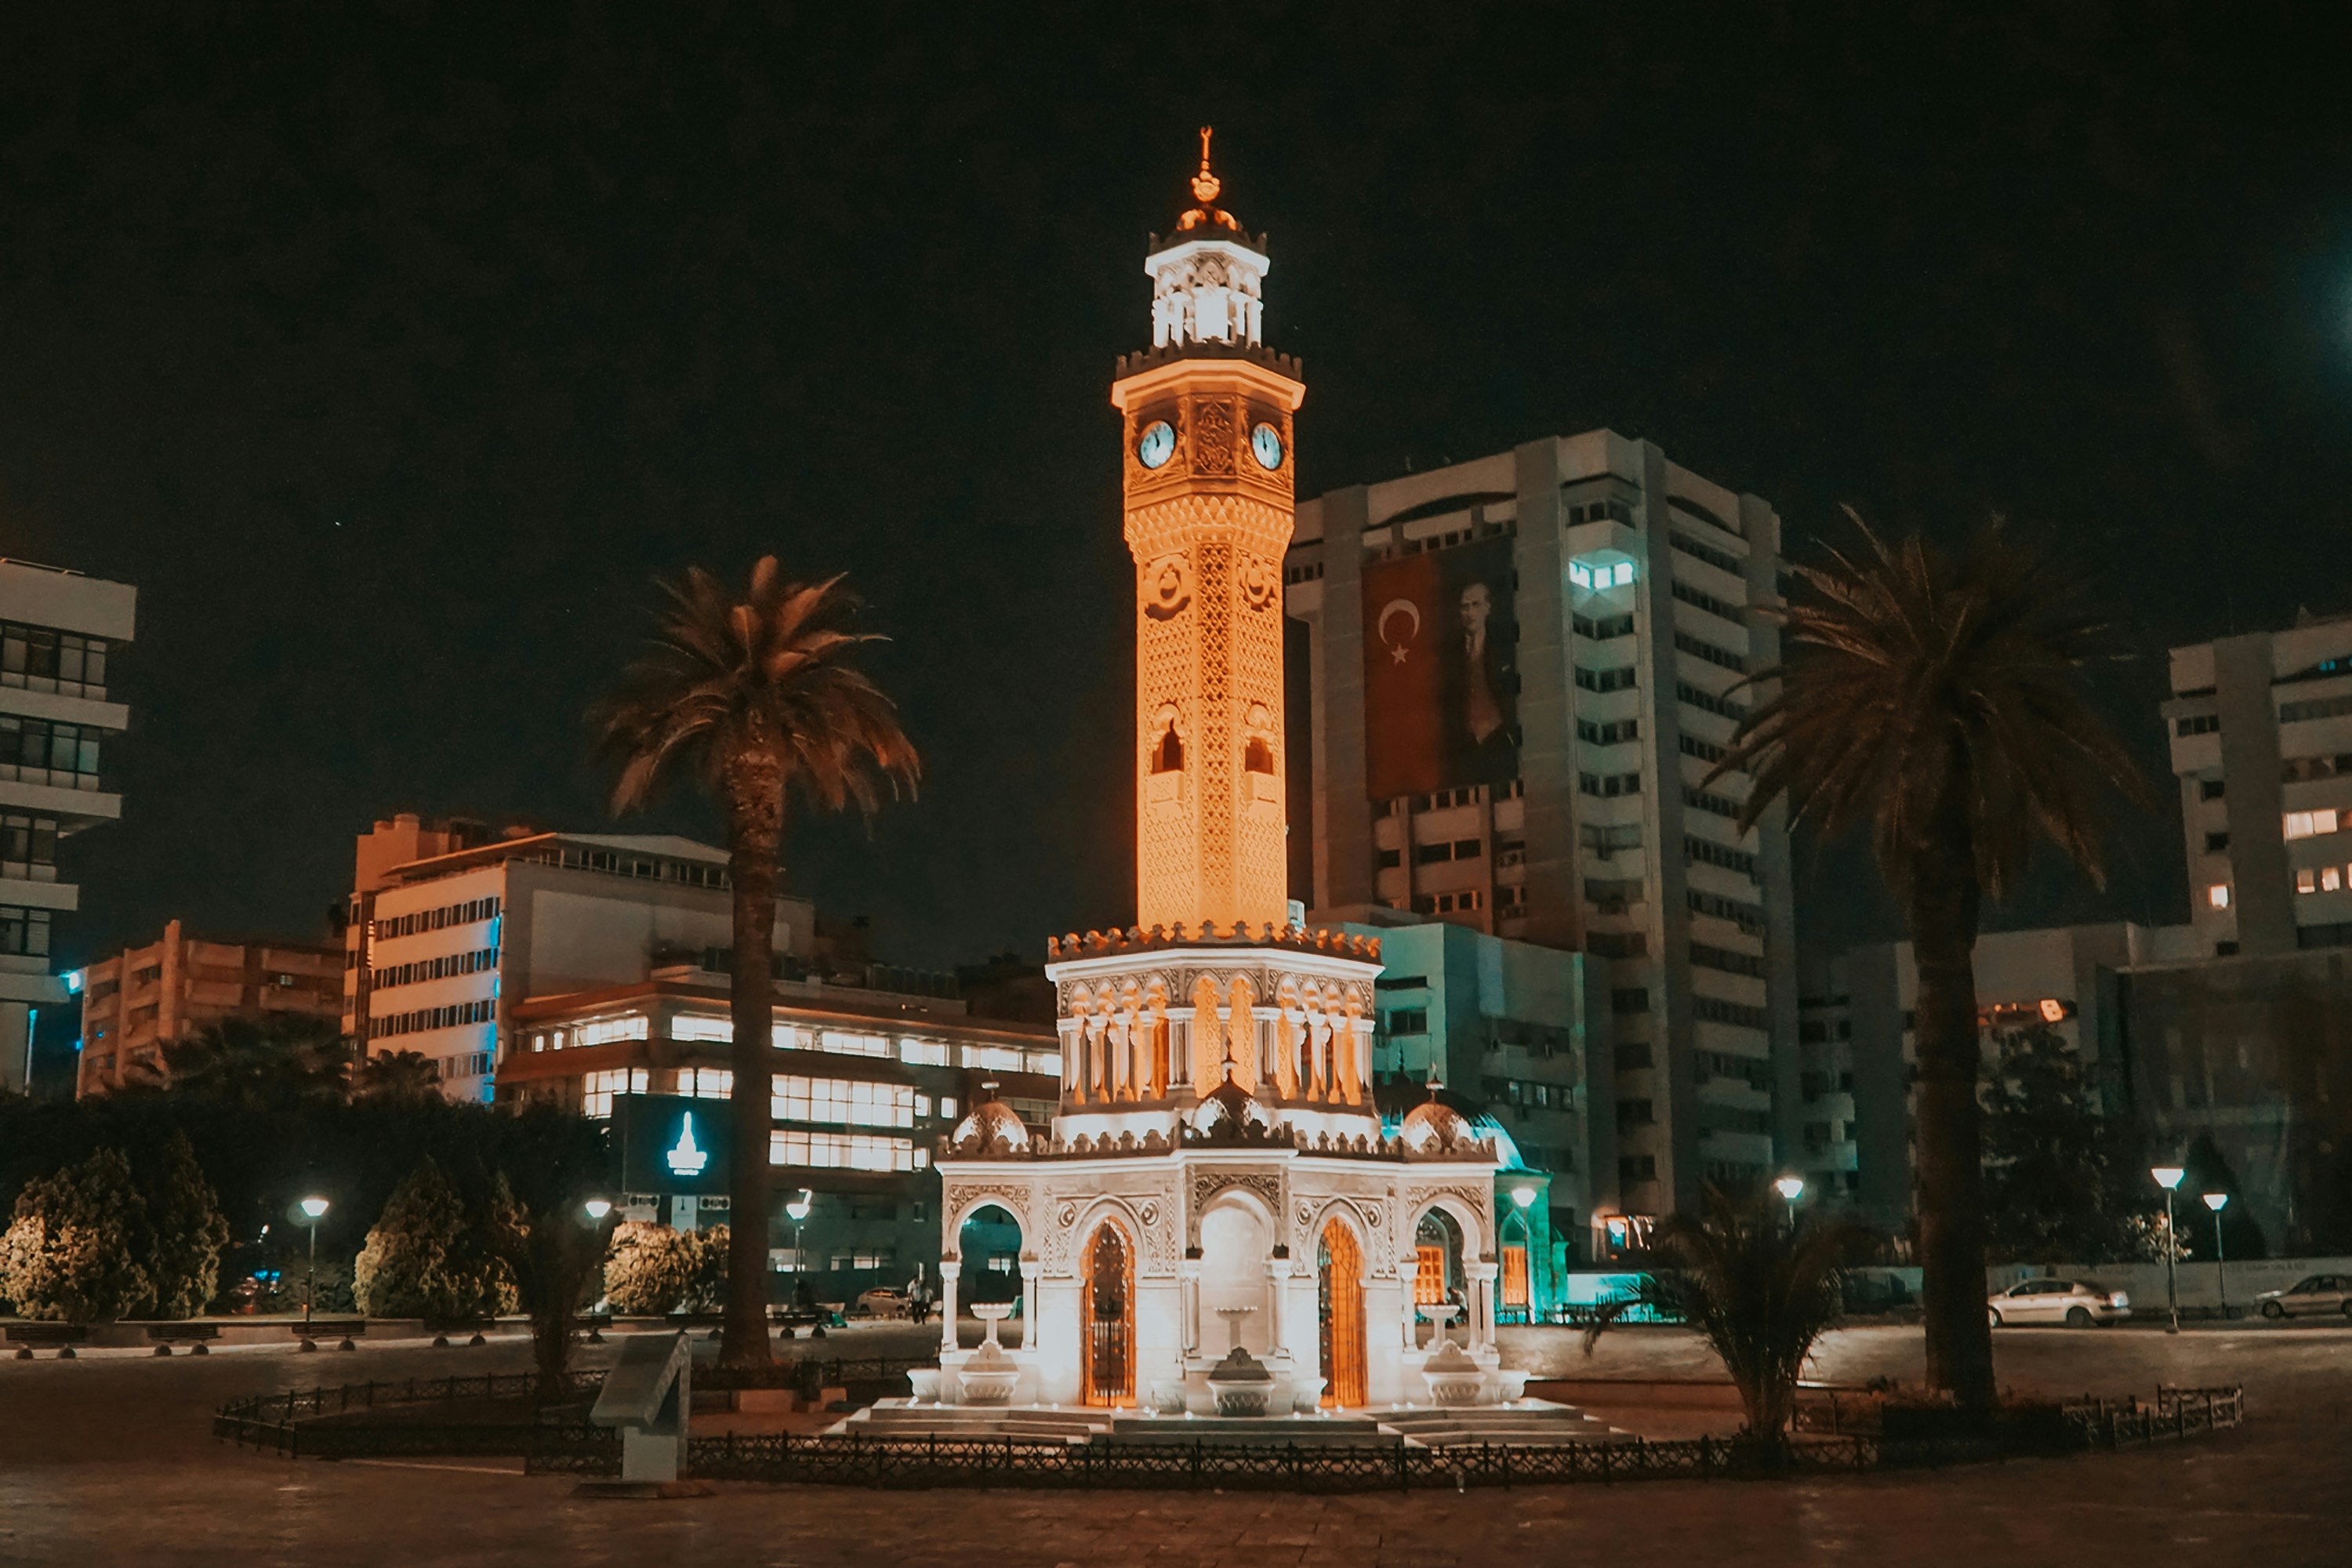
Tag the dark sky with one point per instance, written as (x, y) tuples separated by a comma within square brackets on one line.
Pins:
[(392, 351)]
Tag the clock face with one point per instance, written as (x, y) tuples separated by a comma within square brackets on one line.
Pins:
[(1267, 442), (1157, 445)]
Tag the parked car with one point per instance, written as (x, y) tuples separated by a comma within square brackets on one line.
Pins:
[(2318, 1293), (884, 1301), (2077, 1303)]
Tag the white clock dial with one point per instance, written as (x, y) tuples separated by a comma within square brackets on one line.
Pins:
[(1157, 445), (1267, 442)]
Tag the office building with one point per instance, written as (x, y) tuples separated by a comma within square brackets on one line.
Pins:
[(139, 1000), (1519, 673), (867, 1082), (451, 926), (2261, 727), (61, 635)]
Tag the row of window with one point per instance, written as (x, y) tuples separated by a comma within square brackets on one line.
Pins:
[(466, 1063), (441, 968), (1618, 679), (1714, 1010), (1530, 1092), (1709, 852), (24, 933), (2321, 708), (646, 868), (1603, 629), (47, 745), (1602, 842), (1459, 849), (1726, 960), (2299, 770), (845, 1151), (1722, 559), (1813, 1085), (1610, 510), (2197, 725), (1719, 804), (1699, 600), (1614, 895), (853, 1102), (1618, 944), (1749, 917), (41, 660), (1699, 648), (1707, 701), (1616, 732), (689, 1028), (2310, 824), (420, 1019), (1705, 750), (26, 841), (1731, 1118), (1447, 904), (2321, 879), (1756, 1075), (466, 913), (1609, 787)]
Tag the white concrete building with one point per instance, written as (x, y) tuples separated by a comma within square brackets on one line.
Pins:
[(449, 929), (58, 634)]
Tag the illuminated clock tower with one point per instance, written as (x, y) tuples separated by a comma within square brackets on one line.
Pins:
[(1209, 499)]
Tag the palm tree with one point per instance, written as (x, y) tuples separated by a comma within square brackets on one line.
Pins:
[(1759, 1288), (754, 695), (1936, 695), (396, 1075), (259, 1059)]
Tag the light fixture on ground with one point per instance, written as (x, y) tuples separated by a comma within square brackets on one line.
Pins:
[(313, 1210), (2169, 1177), (2217, 1201)]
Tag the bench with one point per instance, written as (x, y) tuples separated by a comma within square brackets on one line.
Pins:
[(193, 1335), (475, 1327), (594, 1325), (814, 1319), (343, 1329), (65, 1336)]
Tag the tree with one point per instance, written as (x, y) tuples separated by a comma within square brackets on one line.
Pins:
[(1936, 696), (2241, 1239), (185, 1233), (554, 1253), (71, 1251), (1758, 1289), (755, 696), (427, 1257), (261, 1060), (2062, 1178), (396, 1076), (706, 1267), (649, 1269)]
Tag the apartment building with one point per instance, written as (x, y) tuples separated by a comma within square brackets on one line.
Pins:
[(62, 635), (1518, 674), (2260, 729), (451, 926), (868, 1080), (140, 999)]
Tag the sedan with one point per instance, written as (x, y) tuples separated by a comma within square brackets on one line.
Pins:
[(884, 1302), (2077, 1303), (2318, 1293)]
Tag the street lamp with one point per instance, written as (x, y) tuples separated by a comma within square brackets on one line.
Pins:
[(797, 1210), (2217, 1201), (2169, 1177), (1790, 1188), (313, 1210), (598, 1207)]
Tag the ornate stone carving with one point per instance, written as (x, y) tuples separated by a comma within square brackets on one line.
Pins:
[(1212, 435)]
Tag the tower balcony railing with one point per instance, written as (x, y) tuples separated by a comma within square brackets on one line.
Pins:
[(1135, 939)]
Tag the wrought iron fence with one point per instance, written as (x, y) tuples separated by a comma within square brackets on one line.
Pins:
[(808, 1375), (304, 1421)]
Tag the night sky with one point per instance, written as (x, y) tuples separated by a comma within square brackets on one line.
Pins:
[(392, 351)]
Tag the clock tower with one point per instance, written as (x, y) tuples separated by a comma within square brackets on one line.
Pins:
[(1209, 496)]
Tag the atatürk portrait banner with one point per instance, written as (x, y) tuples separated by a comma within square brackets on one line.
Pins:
[(1441, 670)]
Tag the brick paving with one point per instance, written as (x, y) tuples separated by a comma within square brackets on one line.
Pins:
[(108, 1459)]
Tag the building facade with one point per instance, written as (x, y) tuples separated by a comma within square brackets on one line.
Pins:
[(2260, 729), (140, 999), (61, 635), (867, 1082), (450, 927), (1520, 672)]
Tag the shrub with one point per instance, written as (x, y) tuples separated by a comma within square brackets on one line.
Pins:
[(427, 1257), (70, 1252), (707, 1250), (186, 1233), (649, 1269)]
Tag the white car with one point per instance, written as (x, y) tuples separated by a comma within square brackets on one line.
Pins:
[(882, 1302), (2318, 1293), (2077, 1303)]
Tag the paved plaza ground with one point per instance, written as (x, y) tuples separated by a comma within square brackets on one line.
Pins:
[(108, 1460)]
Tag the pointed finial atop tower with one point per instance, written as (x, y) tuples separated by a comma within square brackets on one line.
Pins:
[(1435, 1083), (1205, 184)]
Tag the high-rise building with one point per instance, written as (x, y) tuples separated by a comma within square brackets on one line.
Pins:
[(140, 999), (2261, 740), (1519, 673), (59, 634), (450, 927)]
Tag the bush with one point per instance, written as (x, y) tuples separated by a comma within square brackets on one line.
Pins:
[(186, 1233), (71, 1251), (707, 1250), (649, 1269), (427, 1257)]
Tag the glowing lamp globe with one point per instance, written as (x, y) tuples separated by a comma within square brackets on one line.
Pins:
[(2167, 1176), (2217, 1201), (1789, 1187), (1524, 1197), (315, 1208), (598, 1207)]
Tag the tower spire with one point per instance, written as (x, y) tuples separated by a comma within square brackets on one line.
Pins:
[(1205, 184)]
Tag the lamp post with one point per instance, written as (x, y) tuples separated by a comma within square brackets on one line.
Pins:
[(2217, 1201), (313, 1211), (2169, 1177), (1790, 1188), (598, 1207), (796, 1211)]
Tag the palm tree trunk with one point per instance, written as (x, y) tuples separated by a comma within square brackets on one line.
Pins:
[(1945, 898), (754, 789)]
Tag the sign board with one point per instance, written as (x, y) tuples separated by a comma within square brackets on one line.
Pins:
[(669, 1144)]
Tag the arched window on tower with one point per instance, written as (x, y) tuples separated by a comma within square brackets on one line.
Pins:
[(1257, 757), (1168, 756)]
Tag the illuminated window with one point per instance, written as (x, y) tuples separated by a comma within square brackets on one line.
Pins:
[(852, 1101), (695, 1026), (2218, 895), (995, 1058), (705, 1083), (1596, 576), (597, 1089), (2309, 824), (842, 1044), (2306, 880), (1514, 1276), (843, 1150), (2331, 878), (924, 1053), (1045, 1064), (1429, 1277), (604, 1031)]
